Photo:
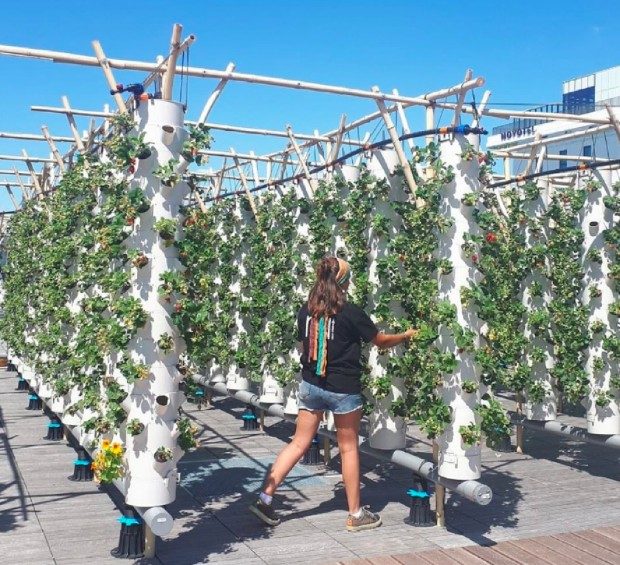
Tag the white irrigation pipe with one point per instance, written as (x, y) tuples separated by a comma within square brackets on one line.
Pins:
[(472, 490)]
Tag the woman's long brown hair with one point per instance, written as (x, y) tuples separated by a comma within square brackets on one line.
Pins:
[(326, 297)]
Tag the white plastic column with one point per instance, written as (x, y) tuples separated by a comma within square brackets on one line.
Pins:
[(457, 460), (596, 218), (541, 372), (385, 430), (236, 377), (155, 401)]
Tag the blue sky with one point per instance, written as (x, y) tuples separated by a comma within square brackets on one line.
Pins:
[(523, 49)]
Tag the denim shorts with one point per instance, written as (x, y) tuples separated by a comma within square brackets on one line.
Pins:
[(312, 397)]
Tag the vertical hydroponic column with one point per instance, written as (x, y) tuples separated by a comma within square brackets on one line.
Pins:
[(386, 431), (153, 404), (236, 257), (459, 455), (540, 394), (603, 414)]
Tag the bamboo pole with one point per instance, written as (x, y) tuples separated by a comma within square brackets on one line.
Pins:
[(404, 163), (246, 156), (244, 183), (614, 120), (14, 184), (33, 174), (215, 95), (255, 169), (162, 61), (220, 180), (440, 493), (461, 99), (32, 137), (550, 156), (519, 448), (335, 148), (541, 158), (11, 196), (535, 146), (11, 172), (483, 104), (22, 158), (63, 57), (74, 130), (405, 122), (55, 152), (359, 158), (175, 44), (302, 158), (107, 72), (25, 191), (430, 123)]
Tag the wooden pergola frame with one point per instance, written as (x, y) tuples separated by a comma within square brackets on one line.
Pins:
[(299, 145)]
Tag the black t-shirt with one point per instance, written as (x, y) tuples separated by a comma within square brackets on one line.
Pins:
[(347, 330)]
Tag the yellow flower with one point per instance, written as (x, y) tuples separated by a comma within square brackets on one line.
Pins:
[(117, 448), (105, 443)]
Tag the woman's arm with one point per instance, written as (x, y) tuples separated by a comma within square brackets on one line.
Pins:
[(383, 340)]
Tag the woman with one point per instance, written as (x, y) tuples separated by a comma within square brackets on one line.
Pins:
[(331, 332)]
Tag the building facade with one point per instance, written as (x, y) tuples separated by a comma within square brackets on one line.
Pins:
[(586, 96)]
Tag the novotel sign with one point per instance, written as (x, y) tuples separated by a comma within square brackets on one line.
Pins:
[(519, 132)]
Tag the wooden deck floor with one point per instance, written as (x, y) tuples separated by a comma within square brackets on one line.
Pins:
[(558, 503)]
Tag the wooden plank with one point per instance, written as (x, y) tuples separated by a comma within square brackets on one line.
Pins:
[(490, 555), (611, 533), (532, 546), (513, 551), (438, 557), (602, 540), (463, 556), (565, 550), (593, 549)]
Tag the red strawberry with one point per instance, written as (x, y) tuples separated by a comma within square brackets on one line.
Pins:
[(474, 258), (491, 237)]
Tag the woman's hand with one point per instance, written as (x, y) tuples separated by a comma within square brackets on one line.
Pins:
[(411, 333), (383, 341)]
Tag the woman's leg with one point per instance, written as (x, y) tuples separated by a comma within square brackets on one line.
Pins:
[(347, 431), (307, 425)]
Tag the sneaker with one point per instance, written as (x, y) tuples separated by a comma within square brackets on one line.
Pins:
[(265, 512), (368, 521)]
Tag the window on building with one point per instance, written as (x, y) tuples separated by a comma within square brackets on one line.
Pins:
[(587, 151), (563, 162)]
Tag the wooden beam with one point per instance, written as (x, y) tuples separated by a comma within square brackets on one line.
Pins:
[(215, 95), (456, 118), (163, 61), (62, 57), (23, 187), (481, 107), (255, 169), (541, 158), (335, 148), (244, 183), (613, 119), (107, 72), (220, 180), (404, 163), (74, 130), (359, 158), (55, 152), (11, 196), (403, 120), (532, 154), (33, 174), (300, 157), (168, 80)]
